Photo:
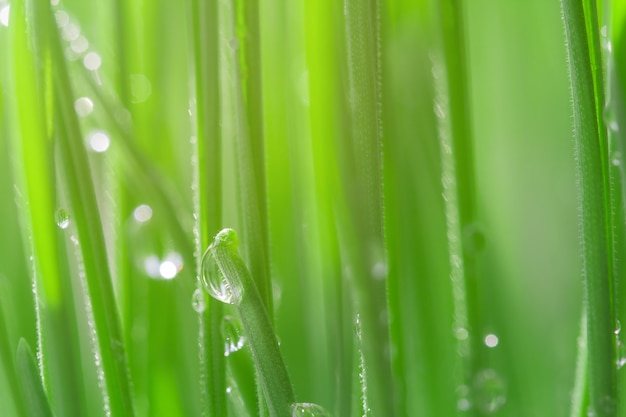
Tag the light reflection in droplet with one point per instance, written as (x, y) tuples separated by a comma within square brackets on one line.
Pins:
[(168, 270), (99, 141)]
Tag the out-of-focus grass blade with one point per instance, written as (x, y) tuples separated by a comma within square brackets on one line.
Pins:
[(418, 284), (84, 207), (30, 381)]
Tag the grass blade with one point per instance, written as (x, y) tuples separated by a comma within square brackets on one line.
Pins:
[(591, 169), (32, 388), (208, 196)]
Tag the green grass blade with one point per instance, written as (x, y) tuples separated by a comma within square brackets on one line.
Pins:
[(590, 147), (86, 215), (30, 381), (277, 388), (208, 195)]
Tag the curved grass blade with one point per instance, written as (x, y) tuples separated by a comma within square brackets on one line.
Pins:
[(30, 381), (272, 374)]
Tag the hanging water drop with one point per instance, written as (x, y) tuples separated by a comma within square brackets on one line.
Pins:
[(62, 218), (215, 282), (197, 301), (616, 158), (308, 410), (489, 391), (232, 332)]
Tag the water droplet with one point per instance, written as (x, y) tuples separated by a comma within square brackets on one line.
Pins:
[(4, 15), (198, 302), (473, 238), (99, 141), (463, 403), (62, 218), (232, 332), (79, 45), (54, 3), (616, 158), (491, 340), (618, 327), (83, 106), (215, 283), (140, 87), (142, 213), (233, 44), (489, 391), (70, 32), (461, 333), (591, 412), (92, 61), (62, 18), (308, 410), (379, 270)]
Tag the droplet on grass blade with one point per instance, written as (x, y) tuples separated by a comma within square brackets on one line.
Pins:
[(83, 106), (308, 410), (198, 302), (491, 340), (62, 218), (99, 141), (215, 282), (232, 331), (142, 213), (92, 61)]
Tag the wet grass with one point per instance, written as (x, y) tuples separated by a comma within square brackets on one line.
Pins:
[(419, 233)]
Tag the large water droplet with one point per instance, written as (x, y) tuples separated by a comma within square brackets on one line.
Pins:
[(198, 302), (62, 218), (489, 391), (232, 332), (215, 283), (308, 410)]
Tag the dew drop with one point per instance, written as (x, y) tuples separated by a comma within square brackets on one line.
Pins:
[(171, 265), (232, 332), (463, 403), (79, 45), (233, 44), (215, 282), (92, 61), (308, 410), (99, 141), (142, 213), (618, 327), (198, 302), (489, 391), (62, 218), (491, 340), (83, 106), (461, 333), (616, 158), (379, 270), (62, 18)]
